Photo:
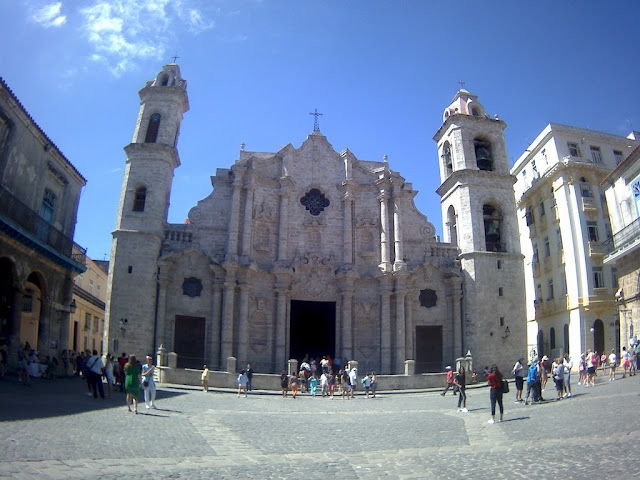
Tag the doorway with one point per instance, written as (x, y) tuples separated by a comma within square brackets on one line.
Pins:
[(189, 341), (429, 349), (312, 329)]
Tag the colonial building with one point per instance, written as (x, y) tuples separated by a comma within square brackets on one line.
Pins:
[(39, 194), (563, 222), (622, 250), (313, 251), (86, 329)]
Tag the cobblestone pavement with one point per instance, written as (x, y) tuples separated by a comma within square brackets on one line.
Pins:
[(54, 431)]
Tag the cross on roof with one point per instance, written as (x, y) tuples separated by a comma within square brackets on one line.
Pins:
[(175, 57), (461, 83), (316, 126)]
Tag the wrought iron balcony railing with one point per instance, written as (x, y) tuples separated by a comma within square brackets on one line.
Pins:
[(629, 234)]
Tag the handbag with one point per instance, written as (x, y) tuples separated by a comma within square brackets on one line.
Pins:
[(505, 386), (145, 383)]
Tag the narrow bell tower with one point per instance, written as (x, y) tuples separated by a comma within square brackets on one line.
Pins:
[(479, 213), (152, 157)]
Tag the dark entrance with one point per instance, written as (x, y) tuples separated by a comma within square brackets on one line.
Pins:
[(189, 341), (312, 329), (429, 349)]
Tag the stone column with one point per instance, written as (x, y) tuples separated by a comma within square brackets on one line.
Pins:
[(347, 202), (409, 329), (283, 221), (385, 327), (246, 225), (347, 324), (399, 263), (234, 221), (227, 317), (243, 320), (164, 333), (385, 261), (400, 356), (216, 323), (281, 328)]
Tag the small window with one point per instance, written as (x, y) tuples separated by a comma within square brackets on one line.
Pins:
[(499, 264), (550, 289), (502, 321), (547, 249), (559, 238), (574, 149), (542, 207), (598, 279), (140, 199), (152, 128), (585, 188), (552, 339), (27, 303), (499, 291), (130, 269), (592, 229), (596, 155), (617, 154), (539, 292)]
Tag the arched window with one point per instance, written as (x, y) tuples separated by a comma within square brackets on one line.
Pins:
[(152, 128), (540, 344), (492, 228), (552, 338), (585, 187), (446, 157), (140, 199), (451, 225), (598, 336), (484, 159), (475, 111), (164, 81)]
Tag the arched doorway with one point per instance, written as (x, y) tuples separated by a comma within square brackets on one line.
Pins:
[(598, 336)]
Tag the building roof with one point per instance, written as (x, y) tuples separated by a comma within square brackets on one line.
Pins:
[(35, 124)]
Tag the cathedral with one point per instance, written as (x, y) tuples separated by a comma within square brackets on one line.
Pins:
[(310, 252)]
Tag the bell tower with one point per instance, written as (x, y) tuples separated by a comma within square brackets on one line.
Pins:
[(479, 213), (152, 157)]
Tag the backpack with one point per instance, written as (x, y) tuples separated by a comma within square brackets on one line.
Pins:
[(533, 373)]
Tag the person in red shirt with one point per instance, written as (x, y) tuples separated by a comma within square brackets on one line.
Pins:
[(494, 379), (450, 384), (122, 361)]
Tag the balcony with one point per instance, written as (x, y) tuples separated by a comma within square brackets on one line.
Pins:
[(623, 242), (595, 249), (589, 205), (26, 226)]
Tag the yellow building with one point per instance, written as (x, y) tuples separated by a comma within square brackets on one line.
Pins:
[(87, 322)]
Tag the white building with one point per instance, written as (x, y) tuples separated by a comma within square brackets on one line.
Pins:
[(563, 222), (622, 251)]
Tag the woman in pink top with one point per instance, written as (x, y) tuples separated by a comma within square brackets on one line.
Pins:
[(494, 379)]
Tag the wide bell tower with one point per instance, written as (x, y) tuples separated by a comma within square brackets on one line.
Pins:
[(152, 157), (479, 212)]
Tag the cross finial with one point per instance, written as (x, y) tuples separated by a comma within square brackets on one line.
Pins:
[(316, 126), (175, 57), (462, 83)]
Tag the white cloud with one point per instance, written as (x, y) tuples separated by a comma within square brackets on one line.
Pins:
[(49, 15), (123, 32)]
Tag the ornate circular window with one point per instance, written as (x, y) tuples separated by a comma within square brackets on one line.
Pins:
[(315, 201)]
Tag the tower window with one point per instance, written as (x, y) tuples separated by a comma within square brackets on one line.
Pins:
[(492, 226), (152, 128), (483, 155), (140, 199), (617, 154), (164, 80), (446, 156)]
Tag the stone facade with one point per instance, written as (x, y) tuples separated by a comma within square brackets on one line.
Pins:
[(302, 251), (39, 195)]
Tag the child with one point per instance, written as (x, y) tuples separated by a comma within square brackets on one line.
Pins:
[(242, 382), (205, 379), (293, 383), (313, 384)]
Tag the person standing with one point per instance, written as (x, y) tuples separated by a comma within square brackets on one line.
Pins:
[(205, 379), (518, 372), (242, 382), (613, 361), (344, 378), (374, 384), (122, 361), (592, 364), (460, 381), (293, 384), (568, 365), (132, 380), (494, 379), (313, 384), (284, 383), (624, 361), (94, 370), (366, 382), (249, 377), (353, 381), (148, 383), (558, 377), (108, 374)]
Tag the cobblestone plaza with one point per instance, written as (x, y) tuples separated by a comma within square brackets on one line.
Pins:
[(53, 431)]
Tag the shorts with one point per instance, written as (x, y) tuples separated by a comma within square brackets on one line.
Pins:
[(559, 384), (519, 383), (591, 370)]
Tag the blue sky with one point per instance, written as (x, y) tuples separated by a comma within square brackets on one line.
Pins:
[(381, 72)]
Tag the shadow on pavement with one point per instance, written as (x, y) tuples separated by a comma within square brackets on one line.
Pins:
[(52, 398)]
